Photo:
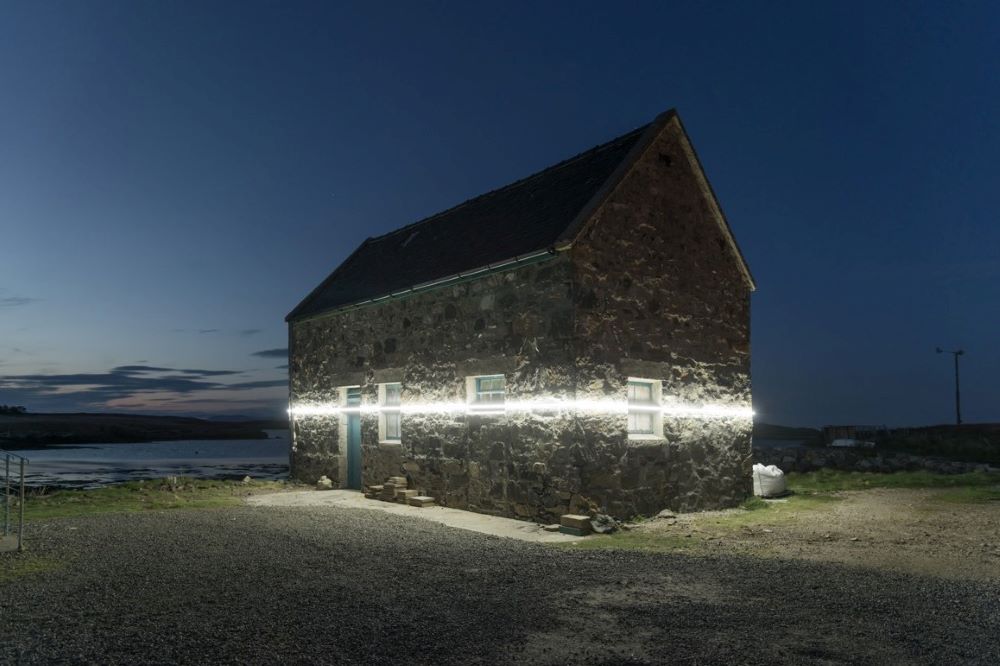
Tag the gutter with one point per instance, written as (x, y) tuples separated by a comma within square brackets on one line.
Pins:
[(456, 278)]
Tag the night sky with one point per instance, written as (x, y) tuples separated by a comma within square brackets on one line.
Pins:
[(175, 177)]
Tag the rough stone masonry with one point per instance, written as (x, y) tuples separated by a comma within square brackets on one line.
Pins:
[(645, 281)]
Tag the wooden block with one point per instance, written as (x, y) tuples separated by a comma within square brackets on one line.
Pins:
[(421, 500), (577, 522)]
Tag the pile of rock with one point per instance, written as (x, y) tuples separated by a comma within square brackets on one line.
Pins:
[(395, 490)]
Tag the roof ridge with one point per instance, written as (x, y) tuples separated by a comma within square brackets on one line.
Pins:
[(550, 168)]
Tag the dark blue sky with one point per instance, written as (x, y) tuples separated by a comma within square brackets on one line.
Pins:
[(174, 177)]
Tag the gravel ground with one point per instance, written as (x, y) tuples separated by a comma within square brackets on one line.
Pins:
[(268, 585)]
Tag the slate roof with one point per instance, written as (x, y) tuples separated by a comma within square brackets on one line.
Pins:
[(522, 218)]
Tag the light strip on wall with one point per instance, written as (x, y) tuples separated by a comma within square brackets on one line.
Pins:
[(621, 407)]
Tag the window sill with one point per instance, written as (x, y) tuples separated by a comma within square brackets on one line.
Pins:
[(646, 438), (390, 441), (486, 410)]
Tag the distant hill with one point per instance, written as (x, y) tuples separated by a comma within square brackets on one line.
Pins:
[(39, 430), (771, 431)]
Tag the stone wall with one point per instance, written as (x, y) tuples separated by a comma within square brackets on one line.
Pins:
[(651, 289), (810, 459), (660, 295), (518, 323)]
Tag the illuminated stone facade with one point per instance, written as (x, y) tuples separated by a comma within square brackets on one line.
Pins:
[(650, 285)]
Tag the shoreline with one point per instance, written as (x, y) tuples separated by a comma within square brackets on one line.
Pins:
[(42, 431)]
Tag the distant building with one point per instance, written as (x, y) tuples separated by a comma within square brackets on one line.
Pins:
[(579, 338)]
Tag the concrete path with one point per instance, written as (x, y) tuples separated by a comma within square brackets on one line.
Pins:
[(465, 520)]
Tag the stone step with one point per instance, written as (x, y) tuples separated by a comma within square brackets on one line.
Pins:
[(398, 481), (421, 501), (573, 531), (575, 521), (403, 496)]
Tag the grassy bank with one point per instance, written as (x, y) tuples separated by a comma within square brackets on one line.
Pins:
[(158, 494)]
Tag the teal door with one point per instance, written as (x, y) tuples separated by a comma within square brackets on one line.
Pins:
[(354, 440)]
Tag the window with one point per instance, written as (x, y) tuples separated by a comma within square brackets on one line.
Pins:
[(390, 396), (644, 416), (486, 392)]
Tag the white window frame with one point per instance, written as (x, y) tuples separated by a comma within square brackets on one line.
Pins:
[(389, 413), (474, 394), (646, 411)]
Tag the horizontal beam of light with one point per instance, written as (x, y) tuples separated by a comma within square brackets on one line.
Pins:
[(620, 407)]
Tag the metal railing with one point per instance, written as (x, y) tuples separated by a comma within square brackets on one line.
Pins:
[(21, 462)]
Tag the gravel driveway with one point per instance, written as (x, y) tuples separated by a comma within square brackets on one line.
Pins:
[(343, 586)]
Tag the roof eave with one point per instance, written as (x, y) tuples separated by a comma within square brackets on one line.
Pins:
[(471, 274)]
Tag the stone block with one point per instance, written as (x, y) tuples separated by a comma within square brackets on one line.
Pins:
[(421, 501), (403, 496), (576, 521), (573, 531), (398, 481)]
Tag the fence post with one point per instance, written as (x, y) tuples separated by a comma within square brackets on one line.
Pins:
[(20, 520), (6, 495)]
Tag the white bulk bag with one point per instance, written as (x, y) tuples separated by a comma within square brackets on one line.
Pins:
[(768, 481)]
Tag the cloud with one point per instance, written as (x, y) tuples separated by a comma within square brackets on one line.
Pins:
[(15, 301), (270, 383), (208, 330), (280, 352), (247, 332), (210, 373), (133, 383), (284, 366), (127, 369)]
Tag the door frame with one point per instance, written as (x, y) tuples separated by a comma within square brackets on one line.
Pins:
[(343, 439)]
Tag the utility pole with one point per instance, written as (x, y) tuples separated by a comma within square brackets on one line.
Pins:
[(958, 397)]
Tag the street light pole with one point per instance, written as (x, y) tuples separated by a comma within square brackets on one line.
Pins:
[(958, 396)]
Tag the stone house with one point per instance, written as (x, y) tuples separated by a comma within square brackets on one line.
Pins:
[(577, 339)]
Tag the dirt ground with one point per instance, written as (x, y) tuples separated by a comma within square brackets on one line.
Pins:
[(921, 531)]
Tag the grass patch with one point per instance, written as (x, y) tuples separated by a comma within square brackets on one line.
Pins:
[(761, 512), (158, 494), (829, 480), (18, 565), (971, 495), (754, 504), (813, 494)]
